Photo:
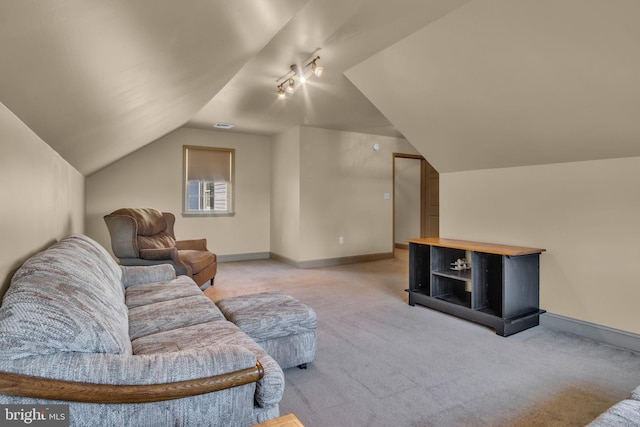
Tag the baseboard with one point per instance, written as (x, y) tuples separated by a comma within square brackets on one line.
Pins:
[(330, 262), (283, 259), (402, 245), (603, 334), (243, 257)]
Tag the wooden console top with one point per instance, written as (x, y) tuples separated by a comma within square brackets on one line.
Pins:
[(289, 420), (489, 248)]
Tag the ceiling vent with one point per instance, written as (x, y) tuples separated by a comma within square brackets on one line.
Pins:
[(223, 125)]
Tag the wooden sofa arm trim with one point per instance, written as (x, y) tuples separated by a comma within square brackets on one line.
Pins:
[(45, 388)]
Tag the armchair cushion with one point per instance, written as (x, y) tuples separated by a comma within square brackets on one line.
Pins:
[(149, 221), (197, 260), (157, 241), (156, 254)]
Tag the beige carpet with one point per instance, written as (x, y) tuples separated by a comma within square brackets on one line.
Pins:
[(381, 362)]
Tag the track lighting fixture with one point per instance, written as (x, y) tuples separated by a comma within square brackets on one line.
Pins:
[(298, 75)]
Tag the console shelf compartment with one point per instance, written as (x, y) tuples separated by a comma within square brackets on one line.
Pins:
[(500, 290)]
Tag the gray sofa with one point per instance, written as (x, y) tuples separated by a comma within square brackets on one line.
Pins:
[(623, 414), (127, 345)]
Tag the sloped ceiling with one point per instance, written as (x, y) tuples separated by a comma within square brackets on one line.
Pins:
[(472, 84), (347, 32), (500, 83), (98, 79)]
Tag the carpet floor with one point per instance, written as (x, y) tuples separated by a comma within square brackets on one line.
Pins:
[(381, 362)]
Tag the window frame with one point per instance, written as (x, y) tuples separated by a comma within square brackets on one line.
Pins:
[(186, 212)]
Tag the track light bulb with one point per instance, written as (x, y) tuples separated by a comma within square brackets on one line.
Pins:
[(281, 93), (315, 68), (291, 86)]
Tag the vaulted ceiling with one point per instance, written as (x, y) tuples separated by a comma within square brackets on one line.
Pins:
[(471, 84), (501, 83)]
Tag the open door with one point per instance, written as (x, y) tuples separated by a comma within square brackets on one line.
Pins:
[(416, 210)]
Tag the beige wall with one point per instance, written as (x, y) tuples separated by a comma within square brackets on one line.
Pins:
[(585, 214), (152, 177), (285, 194), (296, 193), (343, 181), (43, 196)]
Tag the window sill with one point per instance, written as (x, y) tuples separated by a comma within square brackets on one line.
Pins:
[(206, 213)]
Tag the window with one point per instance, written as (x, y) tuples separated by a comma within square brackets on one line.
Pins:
[(208, 181)]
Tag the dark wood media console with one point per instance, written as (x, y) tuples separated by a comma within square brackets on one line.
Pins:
[(499, 286)]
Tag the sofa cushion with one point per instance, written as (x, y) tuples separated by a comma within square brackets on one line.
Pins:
[(150, 293), (189, 337), (68, 298), (168, 315), (269, 315), (635, 394), (625, 413), (269, 389), (137, 274)]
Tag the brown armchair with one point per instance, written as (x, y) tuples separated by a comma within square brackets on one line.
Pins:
[(144, 236)]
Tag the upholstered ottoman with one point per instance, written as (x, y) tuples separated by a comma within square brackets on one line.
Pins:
[(283, 326)]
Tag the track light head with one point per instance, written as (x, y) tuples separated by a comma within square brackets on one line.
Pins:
[(317, 70), (291, 87)]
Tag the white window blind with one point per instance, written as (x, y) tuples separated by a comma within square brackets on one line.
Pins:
[(208, 176)]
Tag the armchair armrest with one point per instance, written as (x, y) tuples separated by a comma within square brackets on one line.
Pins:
[(193, 244), (166, 254)]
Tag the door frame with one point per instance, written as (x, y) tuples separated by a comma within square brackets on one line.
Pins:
[(423, 194)]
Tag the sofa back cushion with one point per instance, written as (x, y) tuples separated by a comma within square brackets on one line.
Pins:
[(68, 298)]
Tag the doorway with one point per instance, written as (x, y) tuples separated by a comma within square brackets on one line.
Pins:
[(416, 206)]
